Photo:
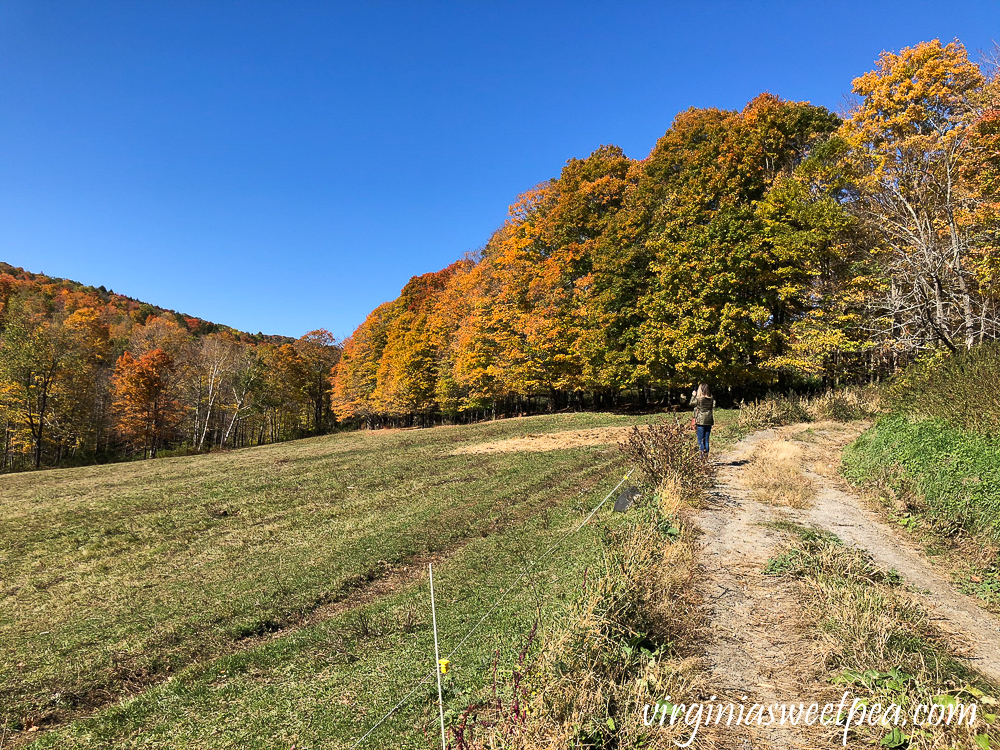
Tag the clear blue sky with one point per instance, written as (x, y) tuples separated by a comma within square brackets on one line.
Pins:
[(284, 166)]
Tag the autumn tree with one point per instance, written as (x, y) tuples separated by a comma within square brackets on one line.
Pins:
[(804, 221), (210, 365), (79, 415), (33, 353), (912, 138), (318, 352), (981, 171), (567, 240), (452, 306), (355, 377), (160, 332), (724, 290), (145, 401), (285, 379), (243, 389)]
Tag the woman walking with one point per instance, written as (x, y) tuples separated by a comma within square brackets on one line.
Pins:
[(704, 405)]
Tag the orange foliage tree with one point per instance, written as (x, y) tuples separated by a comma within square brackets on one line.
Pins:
[(144, 399), (917, 136)]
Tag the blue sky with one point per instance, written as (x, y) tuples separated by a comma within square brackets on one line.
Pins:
[(285, 166)]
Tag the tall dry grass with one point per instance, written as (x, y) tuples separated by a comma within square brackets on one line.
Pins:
[(624, 644), (777, 410), (956, 388)]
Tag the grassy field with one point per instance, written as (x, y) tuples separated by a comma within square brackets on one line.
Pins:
[(180, 602)]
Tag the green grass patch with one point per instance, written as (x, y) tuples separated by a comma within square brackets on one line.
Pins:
[(327, 684), (945, 476), (115, 578)]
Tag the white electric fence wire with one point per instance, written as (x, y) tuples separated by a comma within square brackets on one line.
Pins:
[(437, 655), (496, 604)]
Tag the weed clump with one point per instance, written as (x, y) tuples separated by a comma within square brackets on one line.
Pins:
[(667, 453), (778, 410), (819, 554)]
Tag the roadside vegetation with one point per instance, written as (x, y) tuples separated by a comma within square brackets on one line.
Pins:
[(931, 457), (932, 463), (629, 636), (881, 645), (848, 404)]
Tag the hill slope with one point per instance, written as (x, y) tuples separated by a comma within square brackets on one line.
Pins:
[(88, 375), (223, 572)]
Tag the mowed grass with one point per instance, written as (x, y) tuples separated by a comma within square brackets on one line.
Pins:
[(181, 581)]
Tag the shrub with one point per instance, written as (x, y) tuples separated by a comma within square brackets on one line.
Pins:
[(667, 452), (957, 388)]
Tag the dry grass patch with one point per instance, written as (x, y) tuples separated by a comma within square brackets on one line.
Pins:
[(776, 471), (547, 442), (880, 643), (824, 443), (775, 476)]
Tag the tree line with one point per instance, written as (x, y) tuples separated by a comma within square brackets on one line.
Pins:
[(88, 375), (751, 248)]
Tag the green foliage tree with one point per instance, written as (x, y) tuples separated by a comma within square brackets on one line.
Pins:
[(728, 280), (33, 354)]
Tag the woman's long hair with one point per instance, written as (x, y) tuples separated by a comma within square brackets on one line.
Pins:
[(704, 391)]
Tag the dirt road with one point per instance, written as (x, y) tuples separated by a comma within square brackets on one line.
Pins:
[(756, 647)]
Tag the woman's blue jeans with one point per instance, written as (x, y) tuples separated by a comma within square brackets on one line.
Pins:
[(703, 430)]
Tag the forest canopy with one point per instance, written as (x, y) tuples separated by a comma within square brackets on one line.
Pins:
[(750, 248)]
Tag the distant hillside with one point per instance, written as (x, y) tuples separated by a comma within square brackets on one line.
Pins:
[(12, 277), (90, 375)]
